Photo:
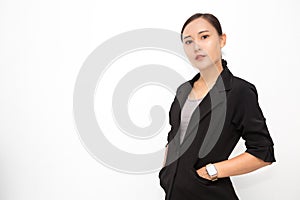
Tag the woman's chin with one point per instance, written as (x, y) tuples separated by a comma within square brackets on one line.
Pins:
[(202, 65)]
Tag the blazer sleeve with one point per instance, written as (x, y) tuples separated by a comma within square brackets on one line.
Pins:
[(251, 123)]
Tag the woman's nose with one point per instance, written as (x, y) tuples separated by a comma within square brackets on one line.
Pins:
[(197, 47)]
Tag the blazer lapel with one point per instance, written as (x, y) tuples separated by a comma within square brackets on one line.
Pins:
[(215, 97)]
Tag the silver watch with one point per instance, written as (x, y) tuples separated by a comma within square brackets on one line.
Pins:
[(212, 171)]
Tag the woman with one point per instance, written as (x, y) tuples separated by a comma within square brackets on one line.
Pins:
[(208, 116)]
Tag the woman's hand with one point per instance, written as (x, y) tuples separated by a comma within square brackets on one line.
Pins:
[(203, 173)]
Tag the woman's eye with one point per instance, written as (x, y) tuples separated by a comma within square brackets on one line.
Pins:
[(188, 42), (204, 36)]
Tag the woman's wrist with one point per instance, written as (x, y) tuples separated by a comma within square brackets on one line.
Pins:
[(218, 166), (220, 173)]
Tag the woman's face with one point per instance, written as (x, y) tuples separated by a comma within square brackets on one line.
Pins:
[(202, 44)]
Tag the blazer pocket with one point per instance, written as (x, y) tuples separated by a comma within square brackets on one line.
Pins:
[(200, 179), (164, 178)]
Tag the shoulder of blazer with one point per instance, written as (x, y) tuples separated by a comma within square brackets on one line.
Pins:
[(240, 84), (243, 91)]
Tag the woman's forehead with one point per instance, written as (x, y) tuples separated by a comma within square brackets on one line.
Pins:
[(196, 26)]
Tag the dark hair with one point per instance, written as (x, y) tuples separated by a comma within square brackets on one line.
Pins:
[(208, 17)]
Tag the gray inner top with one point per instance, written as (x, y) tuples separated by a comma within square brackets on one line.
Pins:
[(186, 113)]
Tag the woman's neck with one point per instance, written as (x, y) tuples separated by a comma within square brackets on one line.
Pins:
[(210, 75)]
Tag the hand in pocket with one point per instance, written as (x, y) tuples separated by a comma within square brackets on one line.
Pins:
[(203, 173)]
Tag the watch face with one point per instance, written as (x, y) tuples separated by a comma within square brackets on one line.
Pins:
[(211, 170)]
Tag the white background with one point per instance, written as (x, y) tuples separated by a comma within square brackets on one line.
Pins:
[(42, 47)]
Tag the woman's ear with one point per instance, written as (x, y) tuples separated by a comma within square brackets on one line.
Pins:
[(222, 40)]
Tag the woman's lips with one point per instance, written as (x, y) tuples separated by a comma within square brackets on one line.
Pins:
[(199, 57)]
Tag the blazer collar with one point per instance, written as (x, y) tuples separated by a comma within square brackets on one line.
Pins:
[(223, 81)]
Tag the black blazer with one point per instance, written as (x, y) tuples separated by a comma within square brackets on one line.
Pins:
[(229, 111)]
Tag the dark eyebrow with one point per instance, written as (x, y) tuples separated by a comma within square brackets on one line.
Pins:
[(198, 33)]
